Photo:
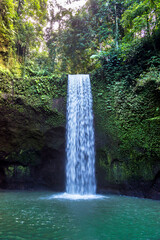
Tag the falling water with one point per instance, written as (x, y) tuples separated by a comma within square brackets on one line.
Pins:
[(80, 169)]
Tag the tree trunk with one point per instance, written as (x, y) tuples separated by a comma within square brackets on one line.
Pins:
[(116, 31)]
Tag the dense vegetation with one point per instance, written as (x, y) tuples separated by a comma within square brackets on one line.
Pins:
[(117, 42)]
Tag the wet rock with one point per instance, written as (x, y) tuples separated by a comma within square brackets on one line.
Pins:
[(32, 146)]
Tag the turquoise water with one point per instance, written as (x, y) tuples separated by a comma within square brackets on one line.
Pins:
[(37, 216)]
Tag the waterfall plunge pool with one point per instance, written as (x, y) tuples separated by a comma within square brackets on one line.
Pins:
[(44, 216), (76, 196)]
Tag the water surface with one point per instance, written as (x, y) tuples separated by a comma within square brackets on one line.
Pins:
[(39, 215)]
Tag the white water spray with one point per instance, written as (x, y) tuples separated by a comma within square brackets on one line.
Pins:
[(80, 166)]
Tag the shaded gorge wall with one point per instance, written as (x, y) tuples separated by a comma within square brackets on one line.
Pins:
[(32, 133), (127, 122)]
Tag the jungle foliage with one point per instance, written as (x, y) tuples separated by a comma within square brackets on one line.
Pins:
[(117, 43), (39, 37), (42, 41)]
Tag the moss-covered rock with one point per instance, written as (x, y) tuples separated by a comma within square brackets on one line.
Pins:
[(127, 119), (32, 141)]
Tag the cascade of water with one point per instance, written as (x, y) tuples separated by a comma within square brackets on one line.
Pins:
[(80, 166)]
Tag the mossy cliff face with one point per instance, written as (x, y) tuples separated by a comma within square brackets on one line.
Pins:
[(32, 136), (127, 123)]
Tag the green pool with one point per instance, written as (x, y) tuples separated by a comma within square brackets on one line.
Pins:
[(41, 216)]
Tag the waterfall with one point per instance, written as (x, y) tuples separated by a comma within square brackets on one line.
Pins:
[(80, 166)]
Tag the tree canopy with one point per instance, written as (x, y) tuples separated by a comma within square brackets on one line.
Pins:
[(44, 37)]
